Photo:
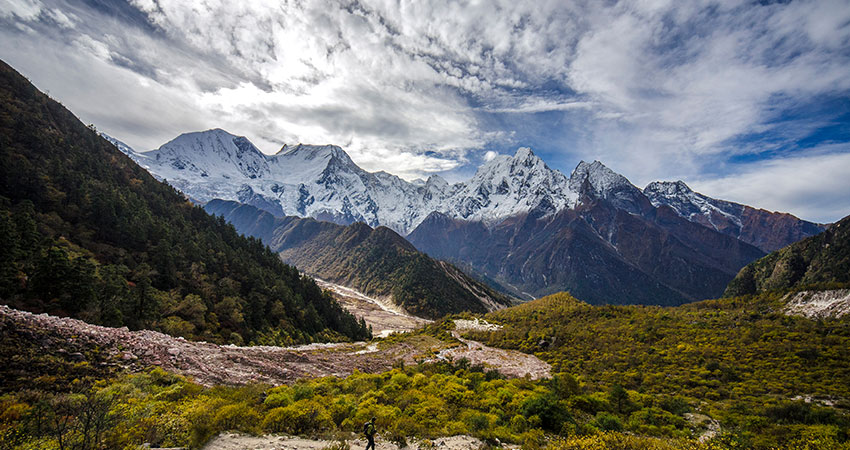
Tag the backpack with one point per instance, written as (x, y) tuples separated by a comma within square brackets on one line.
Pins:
[(368, 429)]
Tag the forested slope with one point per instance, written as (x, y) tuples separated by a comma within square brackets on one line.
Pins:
[(86, 232), (822, 260)]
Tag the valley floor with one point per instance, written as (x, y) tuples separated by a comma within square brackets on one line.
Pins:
[(211, 364)]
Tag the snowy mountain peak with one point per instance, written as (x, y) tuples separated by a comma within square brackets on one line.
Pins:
[(309, 152), (601, 179), (436, 181), (667, 188), (524, 153), (212, 153)]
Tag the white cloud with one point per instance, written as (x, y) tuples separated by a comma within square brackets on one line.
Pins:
[(23, 9), (490, 155), (815, 187), (661, 88)]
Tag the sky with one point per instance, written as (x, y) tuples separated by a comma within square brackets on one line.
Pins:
[(746, 101)]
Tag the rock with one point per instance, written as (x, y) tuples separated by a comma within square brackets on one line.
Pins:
[(174, 351), (127, 356), (77, 356)]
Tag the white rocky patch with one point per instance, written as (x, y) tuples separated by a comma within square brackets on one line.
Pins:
[(475, 325), (818, 304)]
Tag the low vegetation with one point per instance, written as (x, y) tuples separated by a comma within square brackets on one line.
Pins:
[(769, 378), (625, 378)]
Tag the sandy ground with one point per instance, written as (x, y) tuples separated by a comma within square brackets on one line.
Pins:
[(384, 317), (232, 441)]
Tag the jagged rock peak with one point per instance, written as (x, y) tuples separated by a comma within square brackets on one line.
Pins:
[(524, 153), (668, 188), (308, 151), (600, 177)]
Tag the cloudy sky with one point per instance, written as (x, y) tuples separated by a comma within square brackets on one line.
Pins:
[(743, 100)]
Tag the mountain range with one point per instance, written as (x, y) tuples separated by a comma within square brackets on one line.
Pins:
[(378, 262), (526, 228)]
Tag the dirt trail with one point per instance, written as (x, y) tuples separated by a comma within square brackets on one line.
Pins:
[(382, 316), (232, 441)]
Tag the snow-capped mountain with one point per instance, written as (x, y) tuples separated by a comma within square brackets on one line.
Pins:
[(324, 183), (767, 230), (598, 181), (517, 222), (321, 181)]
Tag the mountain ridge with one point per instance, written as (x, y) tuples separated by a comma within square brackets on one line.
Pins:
[(287, 183), (694, 257), (820, 260)]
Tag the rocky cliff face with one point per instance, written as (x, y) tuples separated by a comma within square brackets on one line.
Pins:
[(597, 251)]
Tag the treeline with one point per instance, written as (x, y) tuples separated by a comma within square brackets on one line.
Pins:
[(88, 233)]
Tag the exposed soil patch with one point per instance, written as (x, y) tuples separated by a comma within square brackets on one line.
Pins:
[(819, 304), (211, 364), (511, 363), (232, 441)]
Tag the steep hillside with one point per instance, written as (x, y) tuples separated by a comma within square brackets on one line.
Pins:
[(87, 233), (377, 261), (598, 251), (823, 259)]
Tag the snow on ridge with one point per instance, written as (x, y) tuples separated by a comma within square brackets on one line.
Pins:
[(689, 203), (322, 181), (602, 179)]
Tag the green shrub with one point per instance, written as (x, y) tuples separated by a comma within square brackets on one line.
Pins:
[(239, 417), (301, 417)]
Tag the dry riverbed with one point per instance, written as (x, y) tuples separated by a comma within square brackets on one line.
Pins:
[(381, 315)]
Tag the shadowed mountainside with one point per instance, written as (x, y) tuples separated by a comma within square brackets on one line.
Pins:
[(378, 262)]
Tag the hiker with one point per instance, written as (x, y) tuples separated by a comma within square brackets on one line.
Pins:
[(369, 431)]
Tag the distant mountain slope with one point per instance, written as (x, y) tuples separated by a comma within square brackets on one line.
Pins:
[(819, 260), (86, 232), (600, 253), (767, 230), (378, 261)]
